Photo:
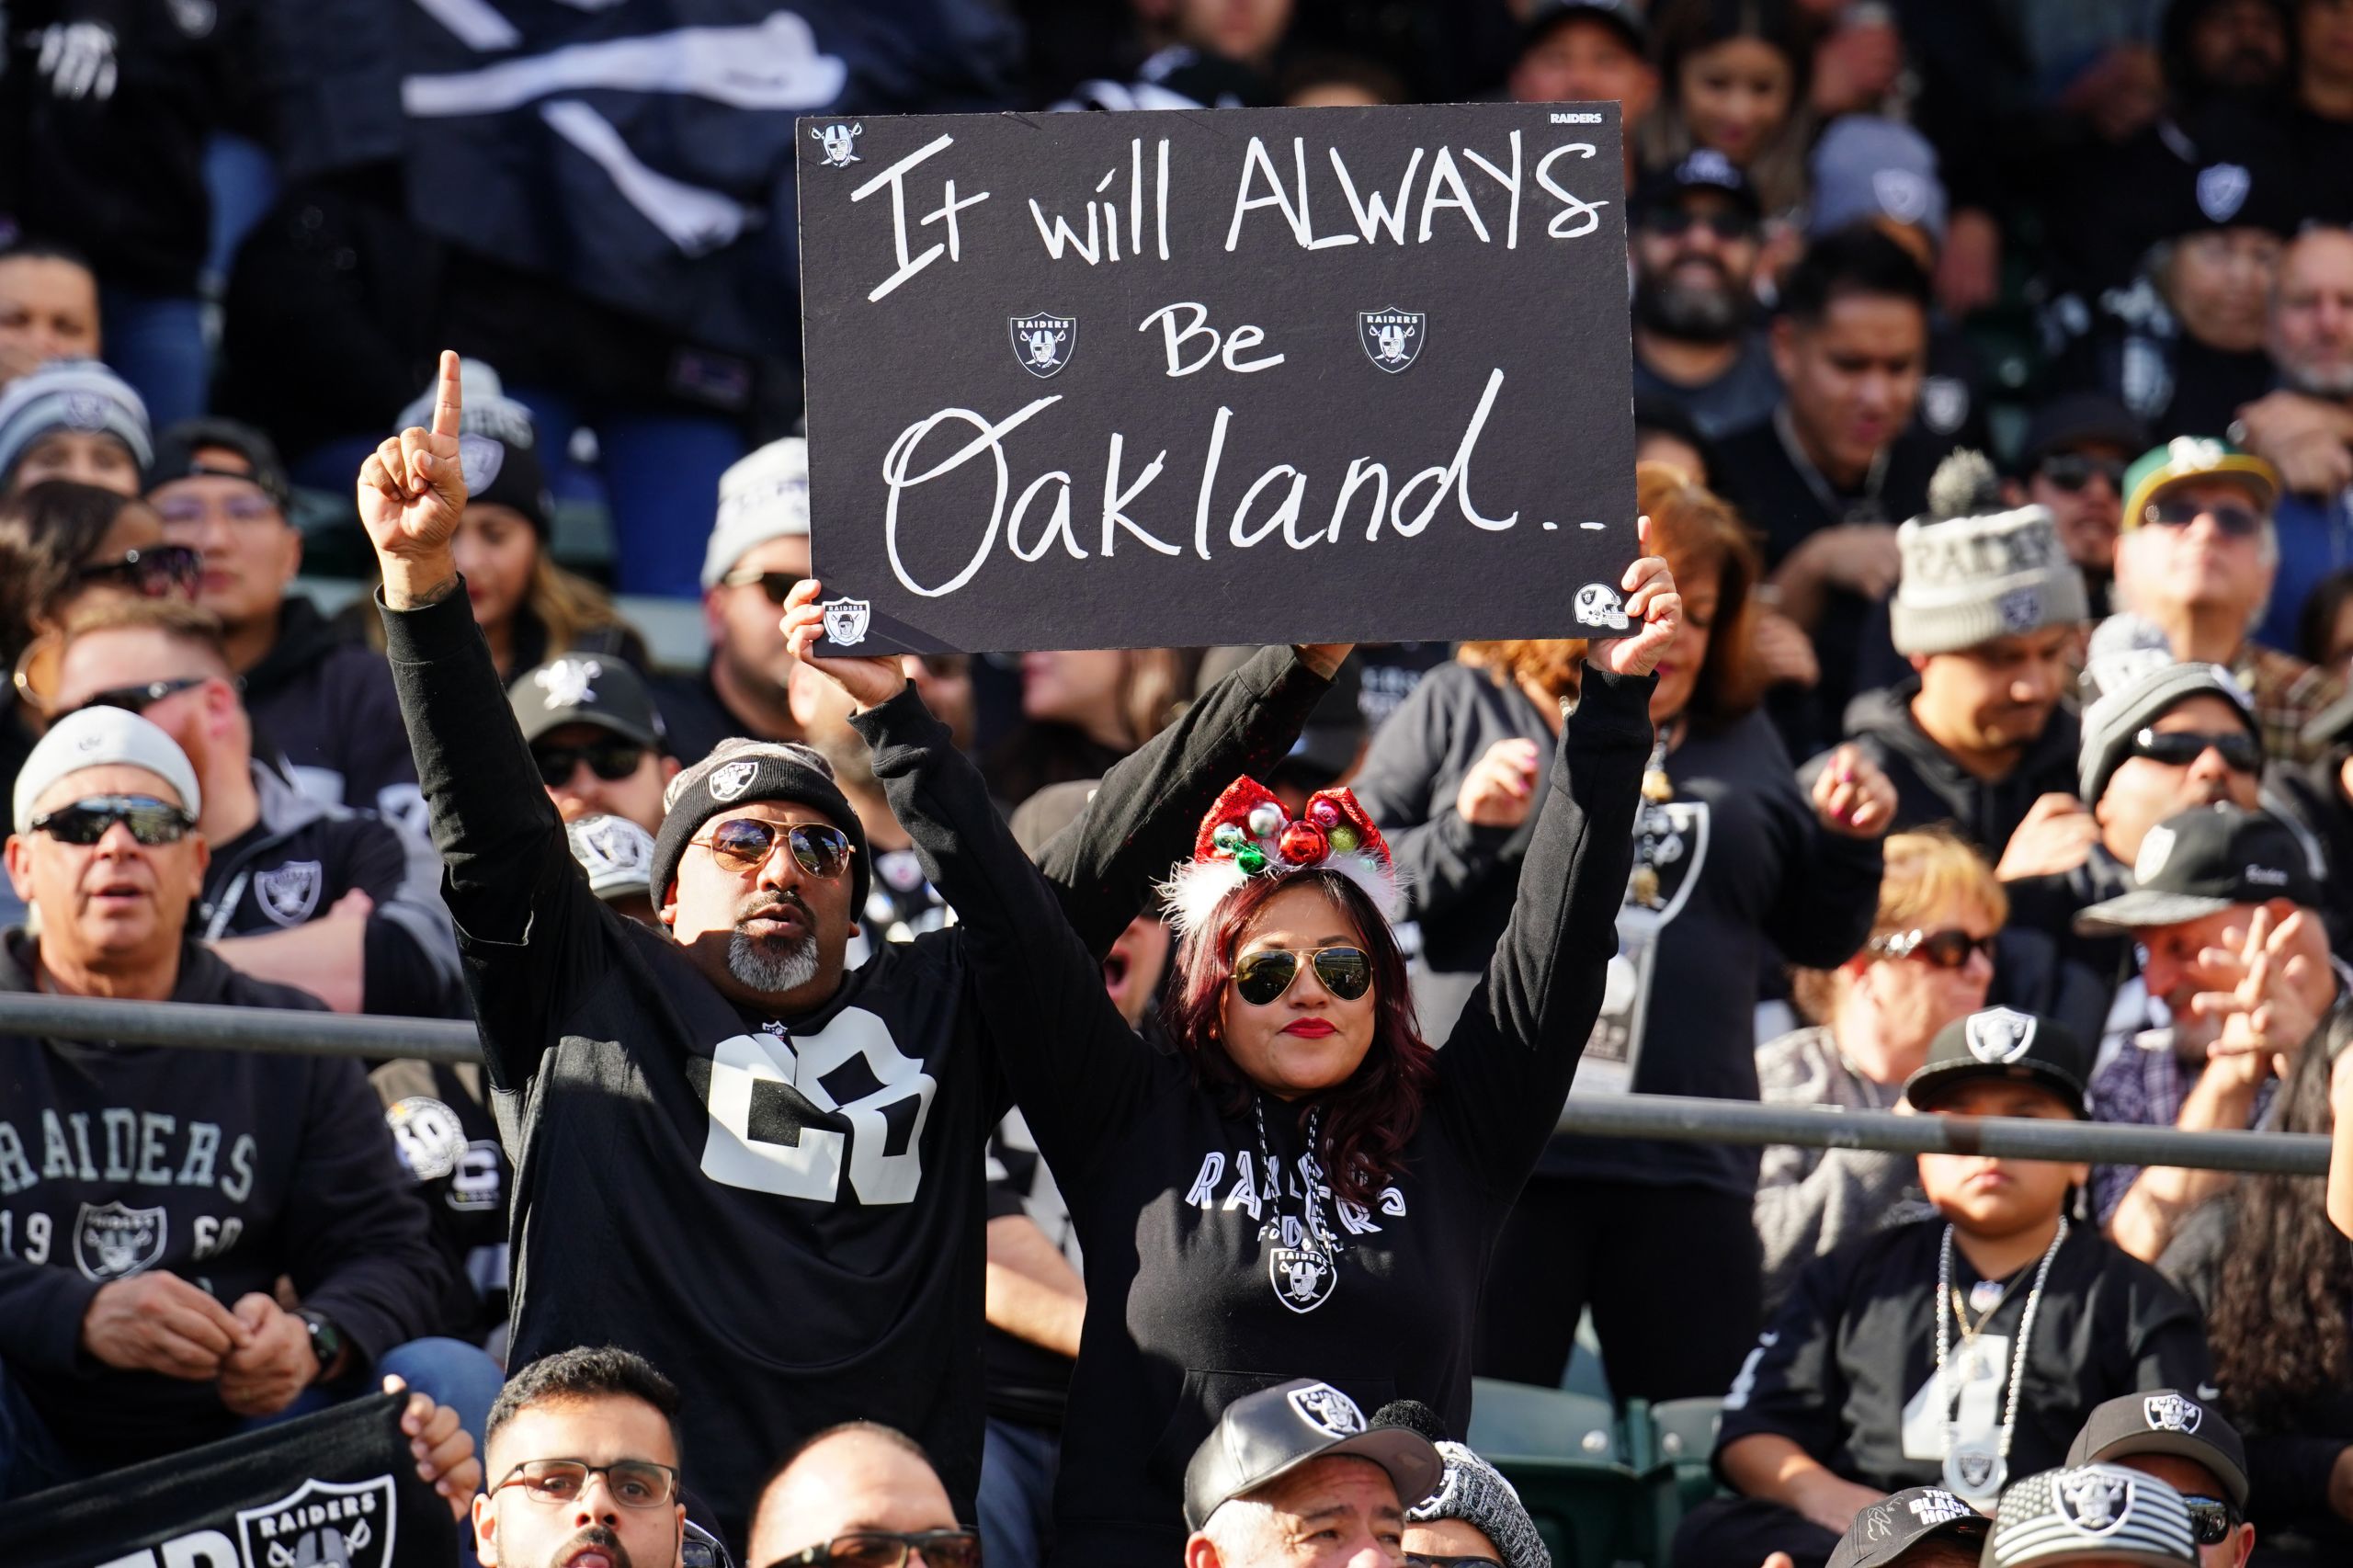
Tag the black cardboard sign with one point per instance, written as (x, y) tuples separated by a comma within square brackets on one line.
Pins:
[(1088, 381)]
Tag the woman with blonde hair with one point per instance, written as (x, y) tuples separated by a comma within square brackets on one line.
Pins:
[(1656, 1236), (1929, 960)]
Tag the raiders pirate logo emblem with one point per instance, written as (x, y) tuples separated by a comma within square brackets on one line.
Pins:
[(84, 411), (568, 683), (1327, 1410), (2157, 848), (113, 1242), (730, 779), (2020, 609), (1597, 605), (1044, 344), (330, 1524), (1998, 1034), (2171, 1413), (847, 620), (2097, 1502), (1393, 338), (839, 142), (1302, 1279), (2221, 191), (479, 460), (1900, 194), (289, 895)]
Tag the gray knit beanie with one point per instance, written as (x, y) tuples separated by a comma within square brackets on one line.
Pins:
[(2110, 722), (71, 394), (740, 772), (1974, 571), (1476, 1493)]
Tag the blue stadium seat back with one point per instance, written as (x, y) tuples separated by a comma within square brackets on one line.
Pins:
[(1686, 1430), (1522, 1421)]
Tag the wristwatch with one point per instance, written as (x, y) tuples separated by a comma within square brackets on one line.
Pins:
[(326, 1340)]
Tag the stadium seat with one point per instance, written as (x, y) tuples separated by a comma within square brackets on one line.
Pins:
[(1676, 1437), (1568, 1456)]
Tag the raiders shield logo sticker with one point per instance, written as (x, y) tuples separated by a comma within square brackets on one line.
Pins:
[(1302, 1279), (1944, 403), (2221, 191), (2095, 1502), (1393, 338), (1998, 1034), (1327, 1410), (289, 895), (328, 1524), (731, 779), (479, 460), (2171, 1413), (112, 1242), (846, 620), (1044, 344)]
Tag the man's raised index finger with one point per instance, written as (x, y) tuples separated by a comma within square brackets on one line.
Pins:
[(448, 404)]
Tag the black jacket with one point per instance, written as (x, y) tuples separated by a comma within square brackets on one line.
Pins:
[(324, 701), (1930, 787), (1188, 1306), (227, 1168), (785, 1215)]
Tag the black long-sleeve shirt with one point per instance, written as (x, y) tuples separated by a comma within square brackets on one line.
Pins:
[(785, 1215), (226, 1168), (1184, 1310)]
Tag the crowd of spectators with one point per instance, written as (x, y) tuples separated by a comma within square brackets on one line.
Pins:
[(1993, 384)]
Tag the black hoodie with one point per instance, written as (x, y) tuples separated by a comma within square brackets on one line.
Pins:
[(1931, 787), (325, 700), (227, 1168)]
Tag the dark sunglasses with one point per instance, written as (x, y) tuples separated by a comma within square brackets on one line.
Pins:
[(2072, 471), (1938, 949), (2180, 749), (775, 585), (2212, 1519), (136, 698), (1418, 1560), (890, 1549), (165, 569), (2236, 522), (742, 844), (1674, 222), (611, 761), (152, 822), (634, 1483), (1264, 976)]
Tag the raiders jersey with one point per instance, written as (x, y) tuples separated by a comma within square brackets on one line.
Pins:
[(784, 1215), (1217, 1261), (1847, 1369)]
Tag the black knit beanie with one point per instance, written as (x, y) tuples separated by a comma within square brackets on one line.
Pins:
[(737, 773)]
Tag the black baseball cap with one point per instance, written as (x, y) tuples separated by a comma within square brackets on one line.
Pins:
[(2001, 1042), (1266, 1435), (1624, 15), (2079, 419), (585, 689), (1883, 1532), (2203, 861), (182, 452), (1702, 168), (2165, 1421)]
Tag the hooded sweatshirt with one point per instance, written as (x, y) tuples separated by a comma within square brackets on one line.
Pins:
[(325, 700), (1931, 787), (227, 1168)]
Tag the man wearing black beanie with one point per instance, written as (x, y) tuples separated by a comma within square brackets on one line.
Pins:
[(734, 1155)]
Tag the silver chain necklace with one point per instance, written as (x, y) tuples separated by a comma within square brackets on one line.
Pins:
[(1970, 1469), (1304, 1275)]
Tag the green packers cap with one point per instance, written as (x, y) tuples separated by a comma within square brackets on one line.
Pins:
[(2192, 457)]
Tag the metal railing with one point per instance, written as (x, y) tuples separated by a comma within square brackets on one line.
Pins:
[(1605, 1116)]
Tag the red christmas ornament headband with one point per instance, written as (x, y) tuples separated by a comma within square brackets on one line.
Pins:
[(1248, 834)]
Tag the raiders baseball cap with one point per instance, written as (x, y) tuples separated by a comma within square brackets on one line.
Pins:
[(1883, 1532), (2202, 861), (585, 689), (1702, 169), (2165, 1421), (2001, 1042), (1623, 16), (2093, 1513), (617, 854), (1266, 1435)]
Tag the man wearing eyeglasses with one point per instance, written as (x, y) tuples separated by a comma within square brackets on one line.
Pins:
[(758, 549), (1694, 233), (859, 1496), (779, 1154), (594, 737), (2185, 1442), (318, 691), (2197, 556), (2223, 910), (2071, 465), (152, 1199)]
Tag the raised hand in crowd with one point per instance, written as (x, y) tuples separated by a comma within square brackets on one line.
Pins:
[(160, 1323), (1861, 558), (412, 495), (1782, 646), (1653, 604), (2055, 837), (2302, 437), (2270, 988), (1853, 796), (446, 1459), (870, 681), (1501, 786)]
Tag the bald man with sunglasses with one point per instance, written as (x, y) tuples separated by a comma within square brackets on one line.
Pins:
[(777, 1156)]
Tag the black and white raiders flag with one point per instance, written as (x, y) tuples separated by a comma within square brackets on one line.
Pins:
[(336, 1488)]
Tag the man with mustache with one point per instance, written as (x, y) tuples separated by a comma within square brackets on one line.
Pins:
[(1695, 233), (779, 1155)]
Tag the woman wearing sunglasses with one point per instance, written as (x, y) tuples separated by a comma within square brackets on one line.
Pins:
[(1306, 1183), (1929, 960)]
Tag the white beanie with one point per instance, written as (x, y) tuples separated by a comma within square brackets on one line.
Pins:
[(96, 738), (763, 496), (1972, 571)]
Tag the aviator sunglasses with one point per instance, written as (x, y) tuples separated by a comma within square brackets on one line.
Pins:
[(742, 844), (1264, 976)]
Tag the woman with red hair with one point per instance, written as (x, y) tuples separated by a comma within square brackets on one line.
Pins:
[(1306, 1188)]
